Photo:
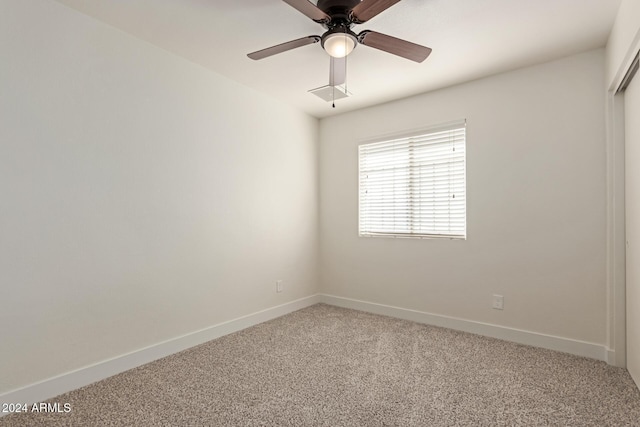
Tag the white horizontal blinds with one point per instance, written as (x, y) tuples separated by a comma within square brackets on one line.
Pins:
[(414, 186)]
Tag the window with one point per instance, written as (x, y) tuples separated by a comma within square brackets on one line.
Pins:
[(414, 186)]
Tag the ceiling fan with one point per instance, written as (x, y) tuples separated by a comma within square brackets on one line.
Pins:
[(338, 16)]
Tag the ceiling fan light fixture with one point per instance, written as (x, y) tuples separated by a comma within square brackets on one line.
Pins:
[(339, 44)]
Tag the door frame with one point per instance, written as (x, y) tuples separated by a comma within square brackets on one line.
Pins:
[(616, 342)]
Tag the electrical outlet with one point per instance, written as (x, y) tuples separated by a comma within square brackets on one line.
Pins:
[(498, 302), (278, 285)]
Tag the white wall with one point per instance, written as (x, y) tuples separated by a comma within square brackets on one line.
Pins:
[(141, 196), (536, 204)]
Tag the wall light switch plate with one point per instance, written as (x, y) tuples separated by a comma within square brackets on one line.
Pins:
[(278, 285)]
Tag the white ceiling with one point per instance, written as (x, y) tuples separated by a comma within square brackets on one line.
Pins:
[(470, 39)]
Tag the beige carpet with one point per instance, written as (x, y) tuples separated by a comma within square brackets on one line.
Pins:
[(327, 366)]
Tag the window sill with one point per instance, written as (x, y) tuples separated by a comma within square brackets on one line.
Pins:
[(413, 236)]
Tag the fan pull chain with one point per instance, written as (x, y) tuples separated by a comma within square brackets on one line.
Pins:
[(333, 96)]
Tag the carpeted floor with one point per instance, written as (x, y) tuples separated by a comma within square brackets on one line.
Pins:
[(328, 366)]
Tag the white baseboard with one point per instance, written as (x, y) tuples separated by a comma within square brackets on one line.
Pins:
[(64, 383), (566, 345)]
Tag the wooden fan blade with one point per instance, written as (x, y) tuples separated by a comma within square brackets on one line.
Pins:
[(337, 71), (273, 50), (310, 10), (367, 9), (395, 46)]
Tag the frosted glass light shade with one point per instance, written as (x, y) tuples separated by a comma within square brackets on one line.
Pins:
[(339, 45)]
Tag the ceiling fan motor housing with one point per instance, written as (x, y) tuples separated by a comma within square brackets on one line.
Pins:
[(339, 11), (338, 40)]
